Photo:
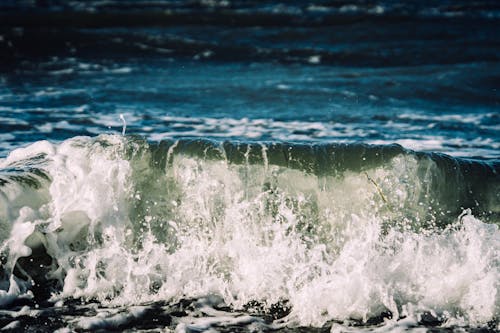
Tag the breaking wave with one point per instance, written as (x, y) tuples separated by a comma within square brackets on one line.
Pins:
[(328, 232)]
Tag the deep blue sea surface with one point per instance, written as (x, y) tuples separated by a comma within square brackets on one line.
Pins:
[(233, 165)]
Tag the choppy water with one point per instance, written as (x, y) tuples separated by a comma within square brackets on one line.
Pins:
[(291, 166)]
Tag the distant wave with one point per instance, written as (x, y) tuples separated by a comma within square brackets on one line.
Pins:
[(238, 13)]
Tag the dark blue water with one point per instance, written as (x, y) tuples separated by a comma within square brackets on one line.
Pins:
[(291, 95), (422, 74)]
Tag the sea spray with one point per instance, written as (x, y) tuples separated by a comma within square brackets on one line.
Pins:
[(334, 232), (124, 122)]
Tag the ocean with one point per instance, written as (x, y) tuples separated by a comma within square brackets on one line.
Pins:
[(250, 166)]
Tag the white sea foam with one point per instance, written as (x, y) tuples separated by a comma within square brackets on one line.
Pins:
[(14, 325), (414, 130), (113, 320), (332, 247)]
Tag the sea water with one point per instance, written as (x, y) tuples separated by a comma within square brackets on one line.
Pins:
[(249, 166)]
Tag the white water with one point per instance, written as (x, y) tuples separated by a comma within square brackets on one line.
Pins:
[(124, 234)]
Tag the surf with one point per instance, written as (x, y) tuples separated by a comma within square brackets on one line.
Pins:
[(332, 232)]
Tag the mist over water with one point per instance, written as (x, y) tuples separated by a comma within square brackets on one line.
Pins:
[(249, 166)]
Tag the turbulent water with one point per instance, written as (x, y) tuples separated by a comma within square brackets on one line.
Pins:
[(249, 166)]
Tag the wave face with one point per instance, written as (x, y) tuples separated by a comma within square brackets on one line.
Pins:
[(330, 232)]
